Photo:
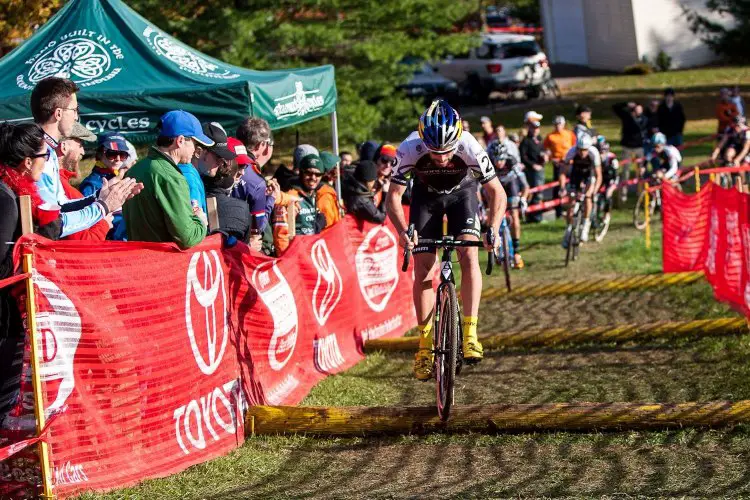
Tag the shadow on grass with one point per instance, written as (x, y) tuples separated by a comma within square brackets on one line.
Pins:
[(668, 463)]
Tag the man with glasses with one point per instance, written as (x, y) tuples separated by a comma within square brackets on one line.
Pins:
[(206, 162), (260, 195), (54, 106), (70, 152), (162, 212), (111, 156), (309, 219)]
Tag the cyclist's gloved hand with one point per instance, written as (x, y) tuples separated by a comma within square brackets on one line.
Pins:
[(406, 242), (490, 241)]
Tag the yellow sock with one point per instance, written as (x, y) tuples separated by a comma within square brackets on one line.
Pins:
[(425, 336), (470, 326)]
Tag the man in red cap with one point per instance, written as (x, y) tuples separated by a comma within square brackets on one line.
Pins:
[(234, 219)]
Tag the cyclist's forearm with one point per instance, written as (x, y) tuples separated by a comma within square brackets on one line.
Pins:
[(498, 203), (744, 152)]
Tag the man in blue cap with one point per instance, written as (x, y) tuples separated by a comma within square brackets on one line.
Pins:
[(111, 156), (163, 213)]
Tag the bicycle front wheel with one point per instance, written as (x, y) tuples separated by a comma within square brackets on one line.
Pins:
[(446, 346), (639, 212)]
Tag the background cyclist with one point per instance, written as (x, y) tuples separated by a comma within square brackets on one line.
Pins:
[(610, 174), (445, 165), (516, 187), (664, 159), (734, 144), (585, 176)]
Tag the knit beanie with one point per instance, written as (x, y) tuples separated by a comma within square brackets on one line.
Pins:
[(303, 150), (366, 171)]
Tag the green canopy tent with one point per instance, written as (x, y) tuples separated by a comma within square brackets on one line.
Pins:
[(130, 73)]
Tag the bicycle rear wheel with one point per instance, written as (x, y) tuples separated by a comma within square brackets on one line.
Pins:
[(506, 243), (446, 346), (571, 236)]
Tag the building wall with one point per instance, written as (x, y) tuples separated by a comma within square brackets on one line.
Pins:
[(565, 31), (662, 25), (610, 33)]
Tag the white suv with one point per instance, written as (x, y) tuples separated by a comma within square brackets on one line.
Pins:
[(504, 62)]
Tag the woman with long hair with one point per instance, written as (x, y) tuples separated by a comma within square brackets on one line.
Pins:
[(22, 156)]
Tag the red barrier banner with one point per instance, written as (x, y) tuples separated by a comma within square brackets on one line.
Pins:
[(710, 232), (150, 354)]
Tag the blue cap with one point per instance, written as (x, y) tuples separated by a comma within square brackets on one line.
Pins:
[(179, 122), (113, 141)]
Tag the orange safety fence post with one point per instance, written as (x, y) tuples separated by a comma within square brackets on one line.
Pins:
[(28, 267), (697, 179), (647, 213)]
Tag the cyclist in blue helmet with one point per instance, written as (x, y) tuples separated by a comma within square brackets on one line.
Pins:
[(445, 165)]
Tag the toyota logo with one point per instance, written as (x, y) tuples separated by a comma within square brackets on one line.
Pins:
[(202, 292)]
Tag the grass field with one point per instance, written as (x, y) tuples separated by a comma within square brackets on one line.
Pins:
[(674, 463)]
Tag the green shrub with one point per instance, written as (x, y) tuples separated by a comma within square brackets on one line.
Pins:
[(663, 61), (638, 69)]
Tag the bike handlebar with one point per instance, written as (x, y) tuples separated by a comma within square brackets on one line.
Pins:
[(447, 243)]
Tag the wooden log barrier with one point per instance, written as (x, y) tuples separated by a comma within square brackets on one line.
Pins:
[(612, 333), (362, 421), (596, 285)]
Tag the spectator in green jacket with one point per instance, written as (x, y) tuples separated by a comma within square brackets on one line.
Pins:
[(164, 213)]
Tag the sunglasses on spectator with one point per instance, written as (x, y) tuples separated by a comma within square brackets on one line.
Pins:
[(116, 155), (312, 174), (269, 141), (388, 161), (44, 155)]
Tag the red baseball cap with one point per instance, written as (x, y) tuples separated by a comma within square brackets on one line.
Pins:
[(236, 146)]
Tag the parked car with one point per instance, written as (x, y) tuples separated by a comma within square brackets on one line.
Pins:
[(427, 84), (503, 62)]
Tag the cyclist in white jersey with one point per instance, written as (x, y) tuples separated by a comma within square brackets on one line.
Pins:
[(445, 165)]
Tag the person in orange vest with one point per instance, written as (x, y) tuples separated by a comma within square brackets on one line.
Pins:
[(726, 110), (557, 144)]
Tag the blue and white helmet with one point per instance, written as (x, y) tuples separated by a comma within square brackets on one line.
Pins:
[(497, 151), (440, 127), (584, 141), (658, 138)]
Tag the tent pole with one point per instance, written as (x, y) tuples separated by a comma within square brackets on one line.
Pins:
[(335, 133)]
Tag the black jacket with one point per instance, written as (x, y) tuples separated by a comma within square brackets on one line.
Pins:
[(671, 121), (360, 201), (11, 329), (652, 122), (531, 150), (234, 217), (633, 128)]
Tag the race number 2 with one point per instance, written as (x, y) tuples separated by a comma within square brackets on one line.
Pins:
[(485, 165)]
